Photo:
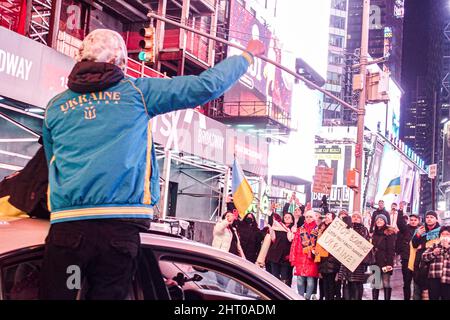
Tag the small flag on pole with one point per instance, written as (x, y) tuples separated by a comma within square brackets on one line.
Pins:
[(393, 187), (242, 192)]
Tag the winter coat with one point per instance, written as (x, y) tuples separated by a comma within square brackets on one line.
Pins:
[(98, 142), (404, 237), (439, 264), (383, 241), (279, 249), (327, 263), (419, 245), (222, 237), (250, 237), (374, 215), (359, 274), (302, 251)]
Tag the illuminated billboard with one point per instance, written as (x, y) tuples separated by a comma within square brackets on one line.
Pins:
[(263, 81)]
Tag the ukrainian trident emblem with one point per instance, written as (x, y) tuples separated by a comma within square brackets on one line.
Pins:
[(89, 113)]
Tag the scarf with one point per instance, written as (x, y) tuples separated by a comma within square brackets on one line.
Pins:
[(88, 76), (320, 252)]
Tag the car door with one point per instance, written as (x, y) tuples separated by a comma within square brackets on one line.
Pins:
[(20, 274), (219, 280)]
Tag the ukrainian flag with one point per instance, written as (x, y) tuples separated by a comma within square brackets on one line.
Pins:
[(393, 187), (242, 192)]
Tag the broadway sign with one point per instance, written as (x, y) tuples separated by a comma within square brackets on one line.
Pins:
[(29, 71)]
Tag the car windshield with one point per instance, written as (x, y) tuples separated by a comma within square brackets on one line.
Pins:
[(207, 279)]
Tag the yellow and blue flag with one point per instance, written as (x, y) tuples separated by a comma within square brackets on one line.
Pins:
[(393, 187), (242, 192)]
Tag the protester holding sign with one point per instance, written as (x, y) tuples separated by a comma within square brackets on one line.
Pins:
[(353, 281), (384, 238), (302, 255), (328, 265)]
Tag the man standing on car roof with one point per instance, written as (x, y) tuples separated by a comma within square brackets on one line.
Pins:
[(103, 173)]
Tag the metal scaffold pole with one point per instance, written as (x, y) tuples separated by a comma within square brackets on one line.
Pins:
[(359, 150)]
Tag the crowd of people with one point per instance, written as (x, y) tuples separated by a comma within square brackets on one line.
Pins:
[(288, 247)]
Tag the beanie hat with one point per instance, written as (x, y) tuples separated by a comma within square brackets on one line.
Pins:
[(104, 45), (381, 216), (431, 213), (359, 215)]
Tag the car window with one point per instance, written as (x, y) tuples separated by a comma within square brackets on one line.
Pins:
[(209, 279), (21, 280)]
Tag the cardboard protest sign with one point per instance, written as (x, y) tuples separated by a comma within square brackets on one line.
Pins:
[(345, 244)]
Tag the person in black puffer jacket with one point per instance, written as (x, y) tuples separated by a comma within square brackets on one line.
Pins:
[(250, 236), (383, 241), (328, 265), (404, 236), (353, 281)]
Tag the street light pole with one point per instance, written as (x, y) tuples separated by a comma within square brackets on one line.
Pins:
[(361, 105)]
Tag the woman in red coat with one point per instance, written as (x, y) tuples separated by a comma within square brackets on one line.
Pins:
[(302, 255)]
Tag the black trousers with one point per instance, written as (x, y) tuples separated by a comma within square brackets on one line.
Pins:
[(280, 270), (353, 290), (407, 279), (329, 285), (438, 290), (101, 254)]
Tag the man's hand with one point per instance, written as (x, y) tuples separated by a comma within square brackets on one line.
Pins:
[(421, 230), (437, 251), (255, 47)]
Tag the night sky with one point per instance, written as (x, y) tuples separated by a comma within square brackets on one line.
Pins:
[(415, 41)]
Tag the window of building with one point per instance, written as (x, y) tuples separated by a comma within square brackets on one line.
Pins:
[(334, 78), (337, 41), (337, 22), (335, 59), (339, 4)]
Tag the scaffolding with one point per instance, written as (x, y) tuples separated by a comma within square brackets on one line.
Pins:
[(40, 20)]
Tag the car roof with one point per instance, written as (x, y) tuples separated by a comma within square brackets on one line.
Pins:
[(21, 233), (27, 232)]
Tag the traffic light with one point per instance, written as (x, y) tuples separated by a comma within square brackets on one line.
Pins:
[(147, 44)]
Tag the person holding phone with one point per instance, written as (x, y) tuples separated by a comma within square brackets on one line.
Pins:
[(438, 256), (383, 241)]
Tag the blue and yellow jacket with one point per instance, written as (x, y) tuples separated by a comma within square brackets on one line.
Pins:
[(99, 147)]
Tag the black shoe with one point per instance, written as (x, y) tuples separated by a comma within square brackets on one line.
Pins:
[(406, 294), (375, 294), (387, 293)]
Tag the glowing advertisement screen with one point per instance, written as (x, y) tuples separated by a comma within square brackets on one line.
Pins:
[(263, 81)]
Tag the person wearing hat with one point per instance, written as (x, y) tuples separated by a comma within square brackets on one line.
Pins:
[(328, 265), (302, 255), (424, 237), (403, 248), (103, 172), (383, 241), (438, 256), (381, 210), (353, 282)]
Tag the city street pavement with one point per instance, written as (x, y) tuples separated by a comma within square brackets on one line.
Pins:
[(396, 283)]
